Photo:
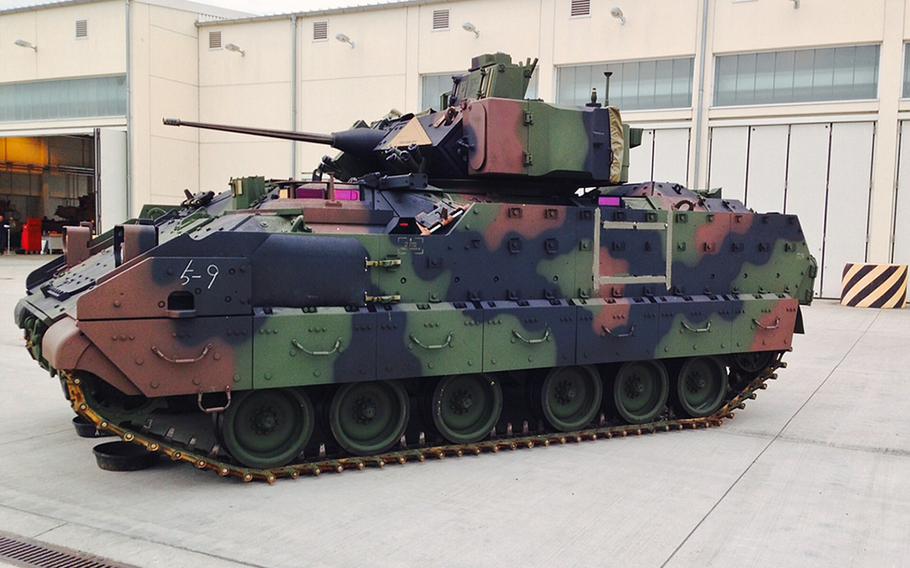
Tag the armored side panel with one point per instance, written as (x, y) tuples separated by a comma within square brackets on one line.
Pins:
[(294, 347), (536, 139), (480, 279), (622, 329)]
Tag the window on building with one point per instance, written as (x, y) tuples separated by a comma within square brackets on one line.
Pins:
[(62, 99), (580, 8), (215, 40), (826, 74), (320, 30), (432, 87), (440, 19), (906, 94), (634, 85), (81, 28)]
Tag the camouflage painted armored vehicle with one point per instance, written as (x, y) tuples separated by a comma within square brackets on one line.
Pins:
[(455, 281)]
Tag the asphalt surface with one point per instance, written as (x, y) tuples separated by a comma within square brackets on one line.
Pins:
[(815, 472)]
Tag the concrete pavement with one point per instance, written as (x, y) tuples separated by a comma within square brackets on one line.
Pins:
[(816, 472)]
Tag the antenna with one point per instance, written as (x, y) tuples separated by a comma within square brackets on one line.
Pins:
[(607, 74)]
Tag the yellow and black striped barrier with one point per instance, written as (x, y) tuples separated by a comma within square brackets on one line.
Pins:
[(874, 285)]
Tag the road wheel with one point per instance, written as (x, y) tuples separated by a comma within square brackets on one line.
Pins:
[(466, 407), (752, 363), (369, 418), (640, 391), (267, 428), (700, 386), (570, 397)]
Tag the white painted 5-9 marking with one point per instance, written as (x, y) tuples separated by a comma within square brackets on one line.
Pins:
[(212, 270), (189, 274)]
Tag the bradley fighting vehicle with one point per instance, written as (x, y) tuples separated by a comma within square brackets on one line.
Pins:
[(455, 281)]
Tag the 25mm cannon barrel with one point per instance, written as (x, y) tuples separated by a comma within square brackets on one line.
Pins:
[(315, 138), (356, 140)]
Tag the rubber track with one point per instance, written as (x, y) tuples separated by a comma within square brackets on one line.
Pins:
[(404, 456)]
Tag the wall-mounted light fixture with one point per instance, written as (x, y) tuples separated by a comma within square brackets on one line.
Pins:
[(344, 39), (616, 12), (235, 48), (469, 27), (26, 44), (795, 4)]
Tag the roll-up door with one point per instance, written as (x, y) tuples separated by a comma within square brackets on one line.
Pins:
[(111, 184), (767, 175), (902, 214), (820, 172), (671, 155), (847, 214), (640, 158), (729, 154), (807, 182)]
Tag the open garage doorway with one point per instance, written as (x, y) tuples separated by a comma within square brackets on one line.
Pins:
[(50, 182)]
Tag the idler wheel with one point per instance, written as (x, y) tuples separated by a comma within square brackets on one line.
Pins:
[(570, 397), (123, 456), (700, 386), (369, 418), (752, 363), (466, 407), (85, 429), (640, 391), (268, 428)]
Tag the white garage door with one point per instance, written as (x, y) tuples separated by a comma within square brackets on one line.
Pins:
[(111, 185), (820, 172), (640, 158), (847, 214), (766, 180), (902, 215), (728, 160), (807, 182), (671, 155), (662, 156)]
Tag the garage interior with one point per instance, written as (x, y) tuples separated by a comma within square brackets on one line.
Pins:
[(50, 179)]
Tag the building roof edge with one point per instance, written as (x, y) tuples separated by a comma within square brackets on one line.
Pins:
[(188, 5), (324, 12)]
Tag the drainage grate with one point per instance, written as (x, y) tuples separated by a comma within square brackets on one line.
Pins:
[(25, 552)]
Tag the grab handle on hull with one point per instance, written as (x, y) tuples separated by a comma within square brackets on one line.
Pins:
[(546, 336), (332, 351), (214, 409), (774, 325), (609, 331), (443, 345), (705, 329), (183, 361)]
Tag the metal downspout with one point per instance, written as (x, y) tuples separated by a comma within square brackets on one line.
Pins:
[(129, 114), (699, 109), (293, 94)]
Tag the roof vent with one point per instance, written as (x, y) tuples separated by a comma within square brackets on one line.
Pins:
[(440, 19), (320, 30), (581, 8), (81, 28), (215, 40)]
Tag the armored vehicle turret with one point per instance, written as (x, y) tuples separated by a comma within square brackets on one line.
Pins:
[(451, 282), (487, 134)]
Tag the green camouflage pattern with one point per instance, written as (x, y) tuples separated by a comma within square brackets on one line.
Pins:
[(395, 276), (510, 286)]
